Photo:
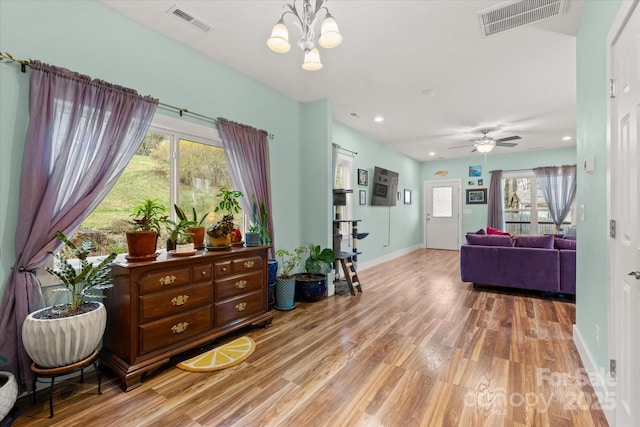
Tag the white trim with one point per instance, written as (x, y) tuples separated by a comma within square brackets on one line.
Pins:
[(374, 262), (601, 386), (186, 128)]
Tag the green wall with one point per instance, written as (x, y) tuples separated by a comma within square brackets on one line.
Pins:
[(459, 169), (592, 257), (88, 38), (391, 229)]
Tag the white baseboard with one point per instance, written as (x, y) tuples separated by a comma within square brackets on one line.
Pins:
[(363, 265), (598, 376)]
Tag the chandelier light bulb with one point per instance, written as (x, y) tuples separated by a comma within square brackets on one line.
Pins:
[(312, 60), (279, 40), (330, 36)]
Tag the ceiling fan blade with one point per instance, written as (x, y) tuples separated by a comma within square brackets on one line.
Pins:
[(506, 144), (509, 138), (461, 146)]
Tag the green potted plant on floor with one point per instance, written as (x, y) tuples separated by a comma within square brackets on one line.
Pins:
[(63, 334), (286, 281), (312, 285), (220, 233), (147, 220), (196, 226)]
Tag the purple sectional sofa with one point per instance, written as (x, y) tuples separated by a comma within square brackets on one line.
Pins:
[(544, 263)]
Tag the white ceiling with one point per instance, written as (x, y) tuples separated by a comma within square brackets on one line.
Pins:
[(423, 65)]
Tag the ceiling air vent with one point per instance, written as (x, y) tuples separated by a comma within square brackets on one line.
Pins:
[(187, 17), (514, 14)]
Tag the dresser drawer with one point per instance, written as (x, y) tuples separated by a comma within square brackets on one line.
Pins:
[(222, 268), (172, 329), (173, 301), (237, 285), (238, 308), (201, 273), (165, 279), (244, 265)]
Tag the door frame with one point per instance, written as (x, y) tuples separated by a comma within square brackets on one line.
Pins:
[(425, 197), (626, 8)]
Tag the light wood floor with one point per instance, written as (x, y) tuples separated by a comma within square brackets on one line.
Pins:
[(417, 348)]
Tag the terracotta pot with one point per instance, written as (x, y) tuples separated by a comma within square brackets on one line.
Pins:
[(198, 236), (53, 343), (141, 244)]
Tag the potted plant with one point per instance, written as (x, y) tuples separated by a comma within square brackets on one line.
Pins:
[(312, 285), (64, 334), (258, 233), (220, 232), (8, 391), (179, 236), (142, 239), (197, 225), (286, 282)]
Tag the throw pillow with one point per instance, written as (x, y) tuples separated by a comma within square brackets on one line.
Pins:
[(479, 232), (488, 240), (545, 242), (565, 244), (491, 230)]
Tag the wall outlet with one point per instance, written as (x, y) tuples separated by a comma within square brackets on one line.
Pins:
[(597, 335)]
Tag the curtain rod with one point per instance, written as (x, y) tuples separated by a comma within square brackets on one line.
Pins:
[(26, 63), (525, 169), (345, 149)]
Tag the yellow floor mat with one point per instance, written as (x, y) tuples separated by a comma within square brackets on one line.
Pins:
[(221, 357)]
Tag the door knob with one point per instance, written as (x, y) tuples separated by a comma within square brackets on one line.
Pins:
[(636, 274)]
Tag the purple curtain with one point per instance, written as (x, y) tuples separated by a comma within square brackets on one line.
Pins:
[(82, 133), (247, 152), (558, 184), (495, 217)]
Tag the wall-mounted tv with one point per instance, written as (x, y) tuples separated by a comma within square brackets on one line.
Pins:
[(385, 187)]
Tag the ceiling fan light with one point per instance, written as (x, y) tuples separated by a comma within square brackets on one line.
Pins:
[(312, 60), (485, 148), (330, 36), (279, 40)]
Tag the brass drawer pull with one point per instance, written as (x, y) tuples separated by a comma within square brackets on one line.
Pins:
[(248, 264), (241, 306), (179, 328), (179, 300), (167, 280), (223, 269), (241, 284), (203, 273)]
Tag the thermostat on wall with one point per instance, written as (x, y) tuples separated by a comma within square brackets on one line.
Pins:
[(588, 165)]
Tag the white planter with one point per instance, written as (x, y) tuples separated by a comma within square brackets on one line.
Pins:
[(8, 393), (52, 343), (187, 247)]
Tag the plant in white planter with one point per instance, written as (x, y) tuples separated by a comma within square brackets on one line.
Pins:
[(64, 334), (8, 391)]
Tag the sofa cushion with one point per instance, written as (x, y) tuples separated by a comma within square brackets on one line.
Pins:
[(544, 242), (565, 244), (491, 230), (489, 240)]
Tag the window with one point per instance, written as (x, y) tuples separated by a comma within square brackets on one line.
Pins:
[(525, 209), (178, 162), (343, 180)]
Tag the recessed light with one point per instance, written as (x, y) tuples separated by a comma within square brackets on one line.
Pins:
[(432, 153), (378, 119), (566, 138)]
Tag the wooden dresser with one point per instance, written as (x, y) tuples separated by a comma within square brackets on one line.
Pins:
[(161, 308)]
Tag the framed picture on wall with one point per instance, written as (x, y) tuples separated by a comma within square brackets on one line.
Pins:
[(477, 197), (363, 177), (363, 197)]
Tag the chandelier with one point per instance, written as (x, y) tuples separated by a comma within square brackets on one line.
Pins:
[(329, 38)]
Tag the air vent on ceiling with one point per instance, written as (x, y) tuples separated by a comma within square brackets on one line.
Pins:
[(187, 17), (514, 14)]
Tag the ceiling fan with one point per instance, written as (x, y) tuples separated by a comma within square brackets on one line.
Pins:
[(485, 143)]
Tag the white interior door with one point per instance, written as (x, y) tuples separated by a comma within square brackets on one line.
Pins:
[(624, 262), (442, 214)]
